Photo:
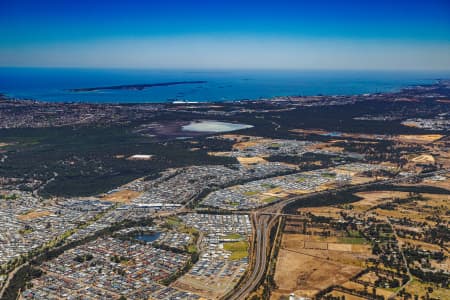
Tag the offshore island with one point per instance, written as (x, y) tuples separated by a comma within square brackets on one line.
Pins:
[(315, 197), (138, 87)]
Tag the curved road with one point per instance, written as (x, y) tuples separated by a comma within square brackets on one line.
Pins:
[(263, 223)]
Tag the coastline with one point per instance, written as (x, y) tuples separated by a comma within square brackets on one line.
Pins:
[(119, 87), (6, 97)]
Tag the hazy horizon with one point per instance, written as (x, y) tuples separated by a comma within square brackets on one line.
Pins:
[(263, 35)]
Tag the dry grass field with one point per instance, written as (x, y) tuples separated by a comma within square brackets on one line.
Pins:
[(213, 287), (374, 198), (251, 160), (419, 288), (419, 138), (123, 196), (305, 263), (405, 138), (424, 159), (347, 296), (445, 183), (325, 211), (209, 290), (420, 210), (308, 263), (423, 245), (306, 274), (34, 215)]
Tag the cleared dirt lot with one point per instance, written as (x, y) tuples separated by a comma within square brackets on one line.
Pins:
[(305, 274), (419, 138), (33, 215), (251, 160), (424, 159), (305, 263), (373, 198), (123, 196)]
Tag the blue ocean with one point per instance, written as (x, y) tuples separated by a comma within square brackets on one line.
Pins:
[(54, 85)]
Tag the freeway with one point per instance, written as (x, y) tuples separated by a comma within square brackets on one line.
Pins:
[(263, 224), (264, 219)]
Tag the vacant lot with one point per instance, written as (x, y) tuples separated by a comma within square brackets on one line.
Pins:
[(419, 288), (345, 296), (325, 211), (33, 215), (123, 196), (238, 249), (306, 275), (420, 210), (251, 160), (374, 198), (424, 159), (305, 262), (419, 138)]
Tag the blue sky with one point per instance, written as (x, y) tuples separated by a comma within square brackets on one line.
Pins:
[(226, 34)]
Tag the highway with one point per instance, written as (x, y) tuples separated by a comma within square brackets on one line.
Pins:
[(263, 223), (264, 219)]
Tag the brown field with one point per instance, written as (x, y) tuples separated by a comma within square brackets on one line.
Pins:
[(306, 274), (424, 159), (349, 247), (374, 198), (359, 287), (219, 153), (310, 131), (298, 242), (369, 277), (244, 145), (410, 124), (345, 295), (306, 271), (34, 215), (444, 265), (328, 146), (325, 211), (418, 138), (419, 288), (405, 138), (212, 288), (361, 179), (193, 285), (439, 183), (238, 137), (418, 211), (123, 196), (251, 160), (423, 245)]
